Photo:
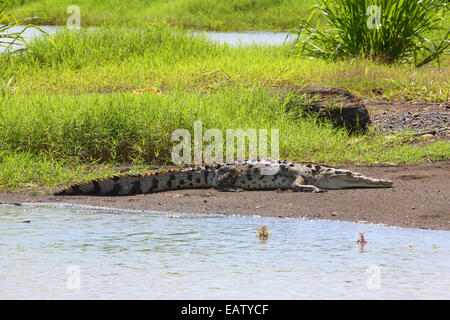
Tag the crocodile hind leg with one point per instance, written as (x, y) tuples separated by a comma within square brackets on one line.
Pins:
[(299, 186)]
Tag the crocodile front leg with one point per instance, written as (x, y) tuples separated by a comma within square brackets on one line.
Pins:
[(299, 186), (225, 180)]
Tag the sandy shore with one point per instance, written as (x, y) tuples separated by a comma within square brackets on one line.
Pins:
[(420, 198)]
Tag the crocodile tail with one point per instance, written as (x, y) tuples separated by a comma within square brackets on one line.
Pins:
[(127, 184)]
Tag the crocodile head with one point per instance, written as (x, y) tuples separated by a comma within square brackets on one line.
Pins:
[(330, 178)]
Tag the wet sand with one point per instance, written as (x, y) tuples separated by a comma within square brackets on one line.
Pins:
[(420, 198)]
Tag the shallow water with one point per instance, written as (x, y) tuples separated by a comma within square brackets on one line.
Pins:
[(250, 38), (68, 252), (29, 34), (231, 38)]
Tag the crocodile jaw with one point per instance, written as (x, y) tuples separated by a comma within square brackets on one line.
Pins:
[(342, 179)]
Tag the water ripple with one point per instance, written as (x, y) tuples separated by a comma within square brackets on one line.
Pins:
[(184, 256)]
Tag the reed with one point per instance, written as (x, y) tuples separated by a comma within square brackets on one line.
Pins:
[(8, 37)]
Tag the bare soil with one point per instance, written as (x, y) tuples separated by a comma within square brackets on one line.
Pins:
[(420, 198), (431, 119)]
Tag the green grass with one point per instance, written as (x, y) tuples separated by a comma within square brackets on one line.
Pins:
[(219, 15), (42, 134), (8, 36), (74, 116), (27, 172), (398, 30), (123, 59)]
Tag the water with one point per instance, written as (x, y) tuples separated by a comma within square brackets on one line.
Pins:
[(29, 34), (130, 255), (231, 38), (250, 38), (68, 252)]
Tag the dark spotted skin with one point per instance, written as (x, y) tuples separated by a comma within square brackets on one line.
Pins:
[(234, 176)]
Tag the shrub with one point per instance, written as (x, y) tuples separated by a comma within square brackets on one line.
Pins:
[(386, 30)]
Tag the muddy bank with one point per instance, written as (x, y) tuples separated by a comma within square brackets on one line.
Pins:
[(420, 198)]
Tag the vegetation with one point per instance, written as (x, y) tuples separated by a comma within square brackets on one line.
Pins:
[(70, 108), (123, 59), (218, 15), (42, 133), (387, 30), (8, 35), (125, 127)]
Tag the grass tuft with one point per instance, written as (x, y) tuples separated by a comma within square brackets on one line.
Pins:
[(386, 30)]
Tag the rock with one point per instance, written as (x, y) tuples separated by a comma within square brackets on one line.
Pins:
[(354, 141), (428, 136), (378, 91), (337, 104)]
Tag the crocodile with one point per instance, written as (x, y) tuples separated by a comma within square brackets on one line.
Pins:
[(232, 176)]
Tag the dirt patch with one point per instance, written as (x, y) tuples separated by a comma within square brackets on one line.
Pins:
[(347, 109), (420, 198), (405, 106), (412, 177), (431, 119), (424, 123)]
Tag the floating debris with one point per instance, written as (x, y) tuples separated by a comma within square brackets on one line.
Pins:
[(361, 241), (263, 233)]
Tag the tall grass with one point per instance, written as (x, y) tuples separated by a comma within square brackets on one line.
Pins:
[(30, 172), (386, 30), (74, 106), (51, 140), (123, 59), (76, 49), (125, 127)]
